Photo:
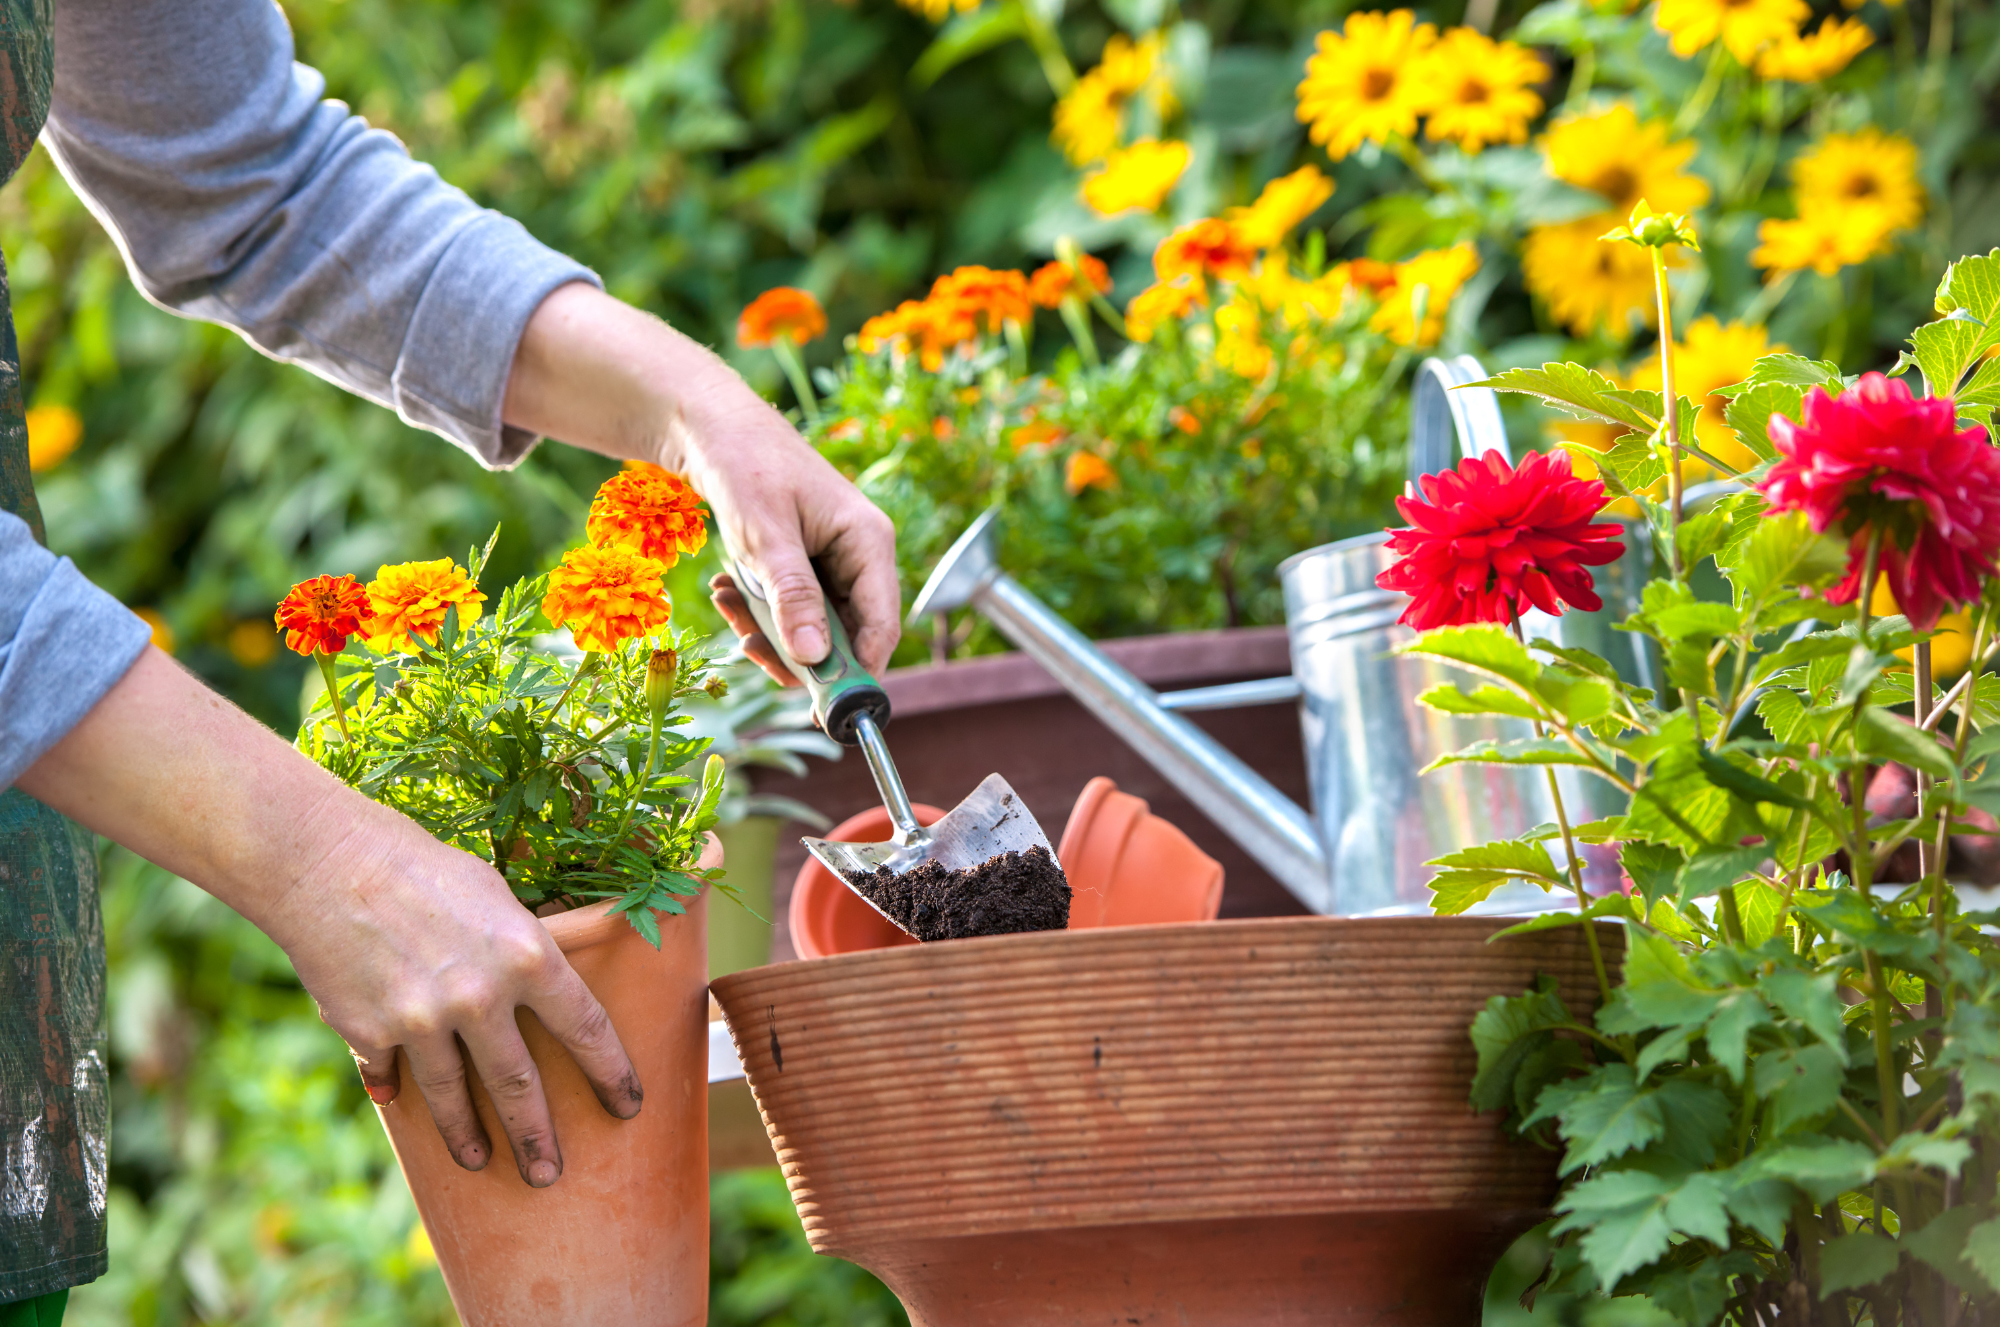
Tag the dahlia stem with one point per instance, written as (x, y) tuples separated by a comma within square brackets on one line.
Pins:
[(795, 370), (1670, 409), (333, 693)]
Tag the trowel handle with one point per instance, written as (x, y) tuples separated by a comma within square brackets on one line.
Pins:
[(840, 687)]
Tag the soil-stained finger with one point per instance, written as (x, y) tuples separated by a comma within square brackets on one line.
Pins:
[(439, 1071)]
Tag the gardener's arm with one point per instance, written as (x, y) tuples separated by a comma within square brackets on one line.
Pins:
[(402, 940), (238, 195)]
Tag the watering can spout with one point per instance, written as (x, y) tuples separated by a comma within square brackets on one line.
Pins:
[(1268, 825)]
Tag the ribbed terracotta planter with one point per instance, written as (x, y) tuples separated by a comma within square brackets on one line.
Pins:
[(622, 1237), (1241, 1122)]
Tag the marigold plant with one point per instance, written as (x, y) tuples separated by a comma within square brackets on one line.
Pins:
[(407, 602), (650, 510), (607, 596)]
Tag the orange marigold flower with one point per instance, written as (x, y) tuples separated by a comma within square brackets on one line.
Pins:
[(649, 510), (411, 599), (781, 311), (1056, 281), (319, 615), (1158, 304), (1372, 275), (1035, 433), (1087, 470), (929, 326), (607, 596), (1002, 295), (1207, 248)]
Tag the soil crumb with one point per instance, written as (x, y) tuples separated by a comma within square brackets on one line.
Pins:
[(1015, 891)]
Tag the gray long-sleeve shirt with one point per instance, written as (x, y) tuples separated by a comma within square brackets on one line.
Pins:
[(237, 194)]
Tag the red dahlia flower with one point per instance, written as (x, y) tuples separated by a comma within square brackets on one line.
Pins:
[(1878, 458), (1493, 540)]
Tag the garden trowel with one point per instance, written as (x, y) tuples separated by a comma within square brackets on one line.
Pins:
[(852, 708)]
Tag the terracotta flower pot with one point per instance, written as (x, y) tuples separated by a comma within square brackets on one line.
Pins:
[(1257, 1121), (622, 1237), (1125, 864)]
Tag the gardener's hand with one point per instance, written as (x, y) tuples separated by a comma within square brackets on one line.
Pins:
[(598, 373), (402, 940)]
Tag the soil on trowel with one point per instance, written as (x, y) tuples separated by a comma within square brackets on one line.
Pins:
[(1015, 891)]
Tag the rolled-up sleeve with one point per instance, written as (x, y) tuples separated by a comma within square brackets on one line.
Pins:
[(239, 195), (63, 644)]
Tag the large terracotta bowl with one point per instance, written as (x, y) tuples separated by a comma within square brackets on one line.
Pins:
[(1227, 1123)]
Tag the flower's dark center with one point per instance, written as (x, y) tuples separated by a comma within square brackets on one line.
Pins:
[(1377, 83), (326, 604), (1620, 185), (1472, 92), (1860, 186)]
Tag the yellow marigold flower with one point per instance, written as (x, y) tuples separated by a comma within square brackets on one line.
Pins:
[(1817, 241), (937, 11), (1611, 153), (1712, 354), (1867, 178), (1239, 340), (410, 600), (1295, 301), (1140, 176), (1431, 279), (649, 510), (53, 433), (1284, 203), (1585, 283), (1361, 85), (1802, 59), (1744, 26), (1476, 91), (1087, 470), (252, 644), (607, 596), (1158, 304), (1090, 116)]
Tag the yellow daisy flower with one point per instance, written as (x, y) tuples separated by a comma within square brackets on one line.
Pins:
[(1140, 176), (1431, 278), (1744, 26), (1584, 283), (1612, 153), (1361, 85), (1870, 177), (1090, 116), (1819, 242), (1802, 59), (1477, 91), (1284, 203)]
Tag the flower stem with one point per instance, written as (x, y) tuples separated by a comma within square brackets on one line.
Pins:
[(638, 791), (1670, 410), (795, 370), (1077, 319), (333, 693)]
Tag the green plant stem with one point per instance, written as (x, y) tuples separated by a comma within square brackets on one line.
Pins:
[(1885, 1060), (333, 693), (1582, 74), (1711, 83), (1768, 298), (638, 791), (589, 665), (1732, 918), (1048, 49), (1670, 412), (1077, 319), (795, 371), (1017, 348), (1937, 62)]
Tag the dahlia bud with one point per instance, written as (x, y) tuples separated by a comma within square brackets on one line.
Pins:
[(1650, 230), (660, 671), (717, 686)]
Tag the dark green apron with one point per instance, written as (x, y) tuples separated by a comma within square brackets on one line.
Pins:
[(54, 1098)]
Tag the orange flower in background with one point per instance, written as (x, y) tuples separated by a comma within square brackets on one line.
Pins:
[(163, 631), (319, 615), (1054, 282), (410, 600), (929, 326), (649, 510), (53, 433), (1369, 274), (607, 596), (1158, 304), (1206, 248), (781, 311), (1087, 470), (1002, 294), (1035, 433)]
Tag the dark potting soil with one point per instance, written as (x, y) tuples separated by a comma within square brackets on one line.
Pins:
[(1015, 891)]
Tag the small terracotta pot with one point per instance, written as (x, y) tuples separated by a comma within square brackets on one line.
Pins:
[(622, 1237), (1125, 865), (1253, 1121)]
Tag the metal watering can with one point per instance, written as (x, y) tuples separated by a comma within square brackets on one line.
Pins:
[(1374, 820)]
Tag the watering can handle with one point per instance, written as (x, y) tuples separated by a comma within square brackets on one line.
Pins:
[(1448, 416), (840, 687)]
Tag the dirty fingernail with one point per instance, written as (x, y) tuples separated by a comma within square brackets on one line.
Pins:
[(541, 1174), (381, 1094), (472, 1156), (809, 645)]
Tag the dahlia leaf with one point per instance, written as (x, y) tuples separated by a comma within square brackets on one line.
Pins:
[(1855, 1261), (1482, 648), (1979, 395), (1513, 857), (1582, 392), (1792, 370), (1880, 733), (1943, 350), (1717, 868), (1506, 1032), (1526, 751), (1725, 774), (1779, 556), (1751, 412), (1481, 700), (1452, 892)]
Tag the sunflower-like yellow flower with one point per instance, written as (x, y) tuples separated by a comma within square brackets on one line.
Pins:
[(1745, 27), (1818, 243), (1429, 281), (1869, 178), (1283, 204), (1585, 283), (1239, 339), (1612, 153), (1091, 115), (1712, 354), (1361, 85), (408, 601), (1476, 91), (650, 510), (937, 11), (1296, 301), (53, 433), (1159, 304), (1140, 176), (1808, 59), (607, 596)]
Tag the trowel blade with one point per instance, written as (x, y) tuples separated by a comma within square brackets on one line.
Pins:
[(991, 821)]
